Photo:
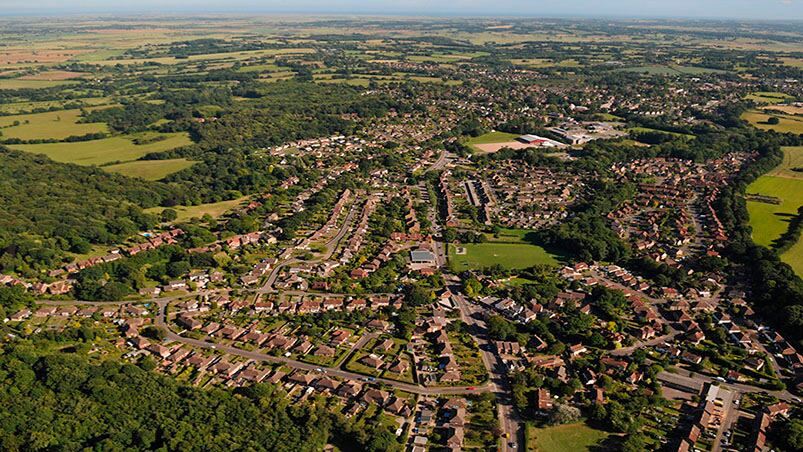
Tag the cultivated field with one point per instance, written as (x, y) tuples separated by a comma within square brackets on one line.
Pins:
[(98, 152), (150, 169), (570, 437)]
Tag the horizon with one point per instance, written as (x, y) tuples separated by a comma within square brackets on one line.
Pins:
[(736, 10)]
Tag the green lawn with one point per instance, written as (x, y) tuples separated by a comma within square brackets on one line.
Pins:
[(98, 152), (788, 123), (54, 124), (794, 257), (492, 137), (508, 255), (150, 169), (564, 438)]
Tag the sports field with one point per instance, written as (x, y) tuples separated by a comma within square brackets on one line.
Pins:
[(53, 124), (508, 255), (149, 169), (562, 438), (492, 137), (107, 150)]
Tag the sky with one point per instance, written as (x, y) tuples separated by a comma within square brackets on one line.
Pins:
[(730, 9)]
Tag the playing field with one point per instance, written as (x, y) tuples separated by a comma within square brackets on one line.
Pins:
[(53, 124), (150, 169), (508, 255), (98, 152), (563, 438), (787, 123), (492, 137)]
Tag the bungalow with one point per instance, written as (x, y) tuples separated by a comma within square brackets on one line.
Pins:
[(376, 396), (326, 384), (188, 322), (339, 337), (372, 361), (324, 351), (158, 350)]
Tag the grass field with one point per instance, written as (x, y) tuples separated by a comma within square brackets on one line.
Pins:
[(670, 70), (765, 97), (648, 129), (215, 209), (15, 83), (150, 169), (54, 124), (98, 152), (564, 438), (492, 137), (787, 123), (508, 255), (770, 221)]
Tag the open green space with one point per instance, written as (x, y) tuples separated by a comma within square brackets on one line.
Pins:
[(794, 257), (765, 97), (107, 150), (215, 209), (649, 129), (670, 70), (53, 124), (787, 123), (492, 137), (563, 438), (14, 83), (508, 255), (770, 221), (150, 169)]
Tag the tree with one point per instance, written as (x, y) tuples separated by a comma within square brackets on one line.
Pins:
[(168, 215), (155, 332), (773, 120), (500, 329), (564, 414)]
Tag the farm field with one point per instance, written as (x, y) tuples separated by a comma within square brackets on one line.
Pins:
[(149, 169), (54, 124), (787, 123), (107, 150), (569, 437), (215, 209), (508, 255)]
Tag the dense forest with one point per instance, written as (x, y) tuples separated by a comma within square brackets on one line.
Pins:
[(63, 402), (47, 208)]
